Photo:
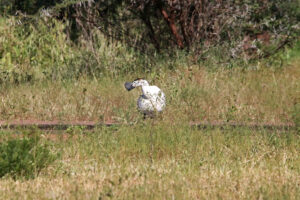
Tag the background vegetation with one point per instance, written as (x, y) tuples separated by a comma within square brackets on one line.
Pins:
[(217, 61), (69, 39)]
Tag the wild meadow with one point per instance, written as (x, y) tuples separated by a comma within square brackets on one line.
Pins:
[(45, 76), (163, 161)]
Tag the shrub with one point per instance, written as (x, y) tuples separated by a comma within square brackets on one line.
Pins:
[(34, 51), (41, 50), (24, 157)]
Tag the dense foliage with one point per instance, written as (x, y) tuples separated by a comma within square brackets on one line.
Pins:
[(68, 38), (165, 23)]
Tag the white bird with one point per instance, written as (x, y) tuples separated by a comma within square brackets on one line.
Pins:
[(152, 100)]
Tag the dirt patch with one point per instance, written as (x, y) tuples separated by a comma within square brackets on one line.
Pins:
[(88, 125), (51, 125)]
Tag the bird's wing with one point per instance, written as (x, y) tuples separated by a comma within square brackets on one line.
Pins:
[(151, 91), (154, 94)]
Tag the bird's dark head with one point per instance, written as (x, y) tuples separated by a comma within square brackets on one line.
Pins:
[(136, 83)]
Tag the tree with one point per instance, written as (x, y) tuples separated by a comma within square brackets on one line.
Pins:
[(155, 25)]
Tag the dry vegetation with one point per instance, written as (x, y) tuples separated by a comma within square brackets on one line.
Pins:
[(260, 95), (46, 76), (163, 159), (162, 162)]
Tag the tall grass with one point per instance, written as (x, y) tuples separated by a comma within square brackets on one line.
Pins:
[(265, 95), (41, 51), (46, 76)]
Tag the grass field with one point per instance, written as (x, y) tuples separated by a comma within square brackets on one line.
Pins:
[(154, 160), (195, 93), (46, 77), (164, 158)]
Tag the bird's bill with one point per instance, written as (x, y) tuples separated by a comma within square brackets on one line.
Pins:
[(128, 86)]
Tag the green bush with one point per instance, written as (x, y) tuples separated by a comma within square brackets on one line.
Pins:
[(41, 50), (24, 157), (34, 51)]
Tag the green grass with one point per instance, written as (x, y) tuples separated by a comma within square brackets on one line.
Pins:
[(157, 161)]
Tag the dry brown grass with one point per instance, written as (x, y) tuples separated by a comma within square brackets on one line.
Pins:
[(265, 95), (163, 184), (184, 164)]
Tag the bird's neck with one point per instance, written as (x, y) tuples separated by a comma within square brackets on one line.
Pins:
[(144, 88)]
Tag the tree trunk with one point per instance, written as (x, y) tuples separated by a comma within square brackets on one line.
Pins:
[(171, 22)]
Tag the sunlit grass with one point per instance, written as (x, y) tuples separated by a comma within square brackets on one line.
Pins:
[(157, 161), (266, 95)]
